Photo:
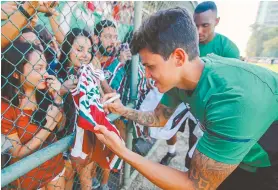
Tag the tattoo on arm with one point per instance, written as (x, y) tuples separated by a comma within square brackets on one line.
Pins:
[(156, 118), (167, 112), (206, 173), (143, 118)]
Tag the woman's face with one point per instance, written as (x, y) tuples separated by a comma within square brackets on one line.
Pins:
[(81, 52), (34, 72)]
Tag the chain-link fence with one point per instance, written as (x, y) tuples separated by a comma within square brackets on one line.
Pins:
[(151, 7), (58, 60)]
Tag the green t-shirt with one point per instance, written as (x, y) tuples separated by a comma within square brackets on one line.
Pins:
[(219, 45), (236, 103)]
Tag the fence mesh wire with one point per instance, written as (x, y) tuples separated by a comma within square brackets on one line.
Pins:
[(43, 45)]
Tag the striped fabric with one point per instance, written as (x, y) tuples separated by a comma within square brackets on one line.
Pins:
[(118, 76), (89, 108), (114, 73), (142, 92)]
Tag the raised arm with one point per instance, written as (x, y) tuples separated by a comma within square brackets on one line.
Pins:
[(11, 29), (7, 9), (58, 32)]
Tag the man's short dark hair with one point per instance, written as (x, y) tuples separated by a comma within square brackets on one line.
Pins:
[(205, 6), (165, 31), (101, 25)]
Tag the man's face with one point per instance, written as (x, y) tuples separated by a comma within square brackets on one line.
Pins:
[(206, 22), (108, 41), (164, 72)]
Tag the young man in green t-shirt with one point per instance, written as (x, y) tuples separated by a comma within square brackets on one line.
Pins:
[(205, 18), (235, 102)]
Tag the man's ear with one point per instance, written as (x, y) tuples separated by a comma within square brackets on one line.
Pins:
[(16, 75), (180, 56), (217, 21)]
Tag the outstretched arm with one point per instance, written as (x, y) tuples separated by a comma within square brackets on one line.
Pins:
[(15, 23), (57, 30), (156, 118), (204, 173)]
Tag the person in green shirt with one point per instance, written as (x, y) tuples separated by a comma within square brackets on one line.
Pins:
[(237, 104), (205, 18)]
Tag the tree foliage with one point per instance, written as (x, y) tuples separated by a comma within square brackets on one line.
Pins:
[(263, 42)]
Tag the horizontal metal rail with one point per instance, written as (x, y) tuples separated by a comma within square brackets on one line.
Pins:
[(18, 169)]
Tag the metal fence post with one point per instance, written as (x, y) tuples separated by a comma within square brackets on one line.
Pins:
[(127, 167), (134, 79), (135, 59)]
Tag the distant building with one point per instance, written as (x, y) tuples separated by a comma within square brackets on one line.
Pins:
[(267, 14)]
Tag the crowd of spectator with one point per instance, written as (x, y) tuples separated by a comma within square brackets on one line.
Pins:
[(39, 70)]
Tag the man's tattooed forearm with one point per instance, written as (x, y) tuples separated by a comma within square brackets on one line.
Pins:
[(167, 112), (156, 118), (144, 118), (206, 173)]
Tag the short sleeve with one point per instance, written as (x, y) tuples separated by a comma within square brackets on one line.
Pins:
[(233, 125), (231, 51), (171, 99), (7, 119)]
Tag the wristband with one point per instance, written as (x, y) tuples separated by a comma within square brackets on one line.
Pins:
[(24, 12), (48, 14)]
